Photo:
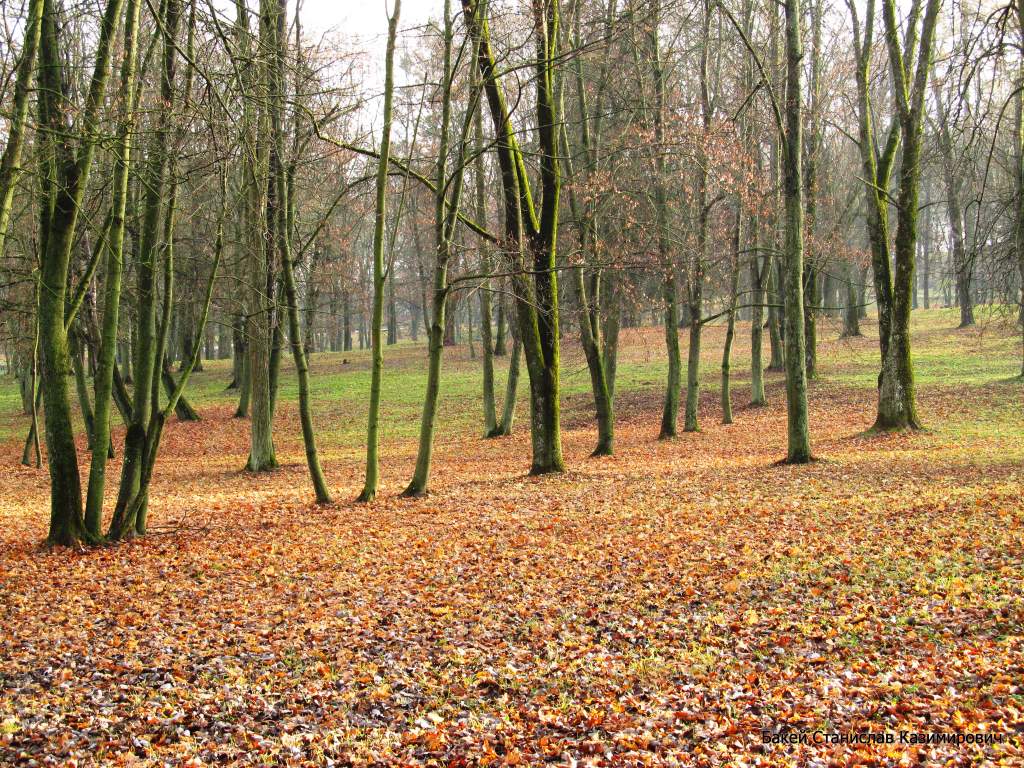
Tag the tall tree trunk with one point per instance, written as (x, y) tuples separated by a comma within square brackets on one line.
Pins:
[(589, 294), (697, 267), (508, 412), (377, 367), (262, 329), (392, 310), (486, 266), (730, 328), (926, 252), (760, 272), (897, 405), (283, 244), (499, 333), (812, 279), (446, 210), (146, 378), (1018, 173), (531, 237), (963, 263), (670, 410), (64, 181), (799, 443)]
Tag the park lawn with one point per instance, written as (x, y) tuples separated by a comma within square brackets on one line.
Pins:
[(665, 606)]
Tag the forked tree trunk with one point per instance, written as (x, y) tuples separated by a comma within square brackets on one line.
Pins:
[(531, 236), (897, 404), (145, 374), (65, 178)]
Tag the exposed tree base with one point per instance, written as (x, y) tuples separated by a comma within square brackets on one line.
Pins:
[(851, 335), (757, 404), (544, 469), (366, 496), (266, 466), (884, 426), (790, 461), (187, 413), (72, 542), (414, 492), (602, 450)]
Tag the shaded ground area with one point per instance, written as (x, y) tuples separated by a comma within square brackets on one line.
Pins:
[(665, 606)]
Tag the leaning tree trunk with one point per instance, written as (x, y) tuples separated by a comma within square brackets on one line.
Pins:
[(282, 231)]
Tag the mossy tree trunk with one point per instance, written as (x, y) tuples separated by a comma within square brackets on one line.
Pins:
[(851, 312), (447, 201), (146, 376), (698, 263), (372, 480), (282, 231), (897, 404), (508, 411), (531, 235), (65, 177), (106, 363)]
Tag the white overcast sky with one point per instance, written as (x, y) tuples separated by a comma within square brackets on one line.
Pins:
[(365, 21)]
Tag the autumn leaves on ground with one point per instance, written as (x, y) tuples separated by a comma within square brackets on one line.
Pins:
[(665, 606)]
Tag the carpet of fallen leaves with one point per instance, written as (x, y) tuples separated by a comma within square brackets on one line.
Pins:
[(667, 606)]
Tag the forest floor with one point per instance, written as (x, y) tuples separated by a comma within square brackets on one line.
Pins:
[(668, 606)]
